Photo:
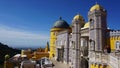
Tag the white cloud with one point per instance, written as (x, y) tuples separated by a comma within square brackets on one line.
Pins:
[(20, 38)]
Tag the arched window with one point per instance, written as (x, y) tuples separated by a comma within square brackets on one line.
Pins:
[(84, 63), (70, 43), (117, 45), (73, 44), (65, 42), (91, 23), (92, 45)]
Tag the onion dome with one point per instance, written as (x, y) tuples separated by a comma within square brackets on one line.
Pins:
[(78, 17), (61, 24), (96, 7)]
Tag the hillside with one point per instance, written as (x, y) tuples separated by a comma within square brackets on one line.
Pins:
[(4, 49)]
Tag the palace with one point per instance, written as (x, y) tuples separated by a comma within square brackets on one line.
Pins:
[(86, 44)]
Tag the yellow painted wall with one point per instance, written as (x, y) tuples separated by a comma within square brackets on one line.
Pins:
[(112, 45), (53, 35), (25, 52), (96, 66), (112, 41), (101, 66), (92, 66), (109, 67), (39, 55)]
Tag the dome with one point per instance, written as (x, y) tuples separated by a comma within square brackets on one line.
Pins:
[(60, 24), (78, 17), (96, 7), (86, 25)]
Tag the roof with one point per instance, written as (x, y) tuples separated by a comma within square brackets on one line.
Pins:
[(86, 25), (61, 24), (96, 7)]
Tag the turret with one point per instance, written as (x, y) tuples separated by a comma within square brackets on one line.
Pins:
[(58, 26), (98, 26), (77, 24), (47, 47)]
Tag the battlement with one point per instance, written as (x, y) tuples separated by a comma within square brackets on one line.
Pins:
[(114, 33)]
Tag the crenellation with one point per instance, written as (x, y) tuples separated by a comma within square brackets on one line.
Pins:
[(114, 33)]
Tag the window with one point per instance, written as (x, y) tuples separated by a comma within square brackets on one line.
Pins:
[(92, 45), (65, 43), (91, 23), (117, 45), (53, 33)]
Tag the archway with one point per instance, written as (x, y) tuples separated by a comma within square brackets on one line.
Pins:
[(84, 63)]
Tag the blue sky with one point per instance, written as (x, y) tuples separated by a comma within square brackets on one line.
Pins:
[(27, 23)]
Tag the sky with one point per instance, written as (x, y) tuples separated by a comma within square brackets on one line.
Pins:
[(27, 23)]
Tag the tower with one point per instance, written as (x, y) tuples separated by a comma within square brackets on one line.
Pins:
[(47, 47), (98, 25), (58, 26), (97, 34), (77, 23)]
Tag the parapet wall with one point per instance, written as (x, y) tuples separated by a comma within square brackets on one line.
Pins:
[(114, 33)]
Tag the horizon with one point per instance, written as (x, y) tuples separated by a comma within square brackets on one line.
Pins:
[(26, 23)]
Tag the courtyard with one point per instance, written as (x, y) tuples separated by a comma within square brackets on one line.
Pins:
[(59, 64)]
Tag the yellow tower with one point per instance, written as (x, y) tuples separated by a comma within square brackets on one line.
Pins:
[(113, 40), (58, 26)]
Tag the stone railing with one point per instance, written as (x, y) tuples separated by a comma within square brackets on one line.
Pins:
[(114, 60), (98, 58), (104, 58)]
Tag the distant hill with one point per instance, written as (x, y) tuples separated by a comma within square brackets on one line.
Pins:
[(4, 49)]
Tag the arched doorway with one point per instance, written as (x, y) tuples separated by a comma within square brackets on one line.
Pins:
[(60, 53), (84, 63)]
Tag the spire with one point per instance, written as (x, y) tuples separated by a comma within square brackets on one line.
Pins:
[(47, 47)]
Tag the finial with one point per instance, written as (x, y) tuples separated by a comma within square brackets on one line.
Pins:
[(60, 18)]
